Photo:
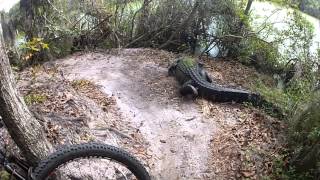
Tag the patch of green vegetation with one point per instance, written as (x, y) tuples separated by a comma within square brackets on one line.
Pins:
[(4, 175), (282, 171), (77, 84), (189, 62), (32, 48), (267, 54), (288, 99), (35, 98), (301, 106), (274, 95)]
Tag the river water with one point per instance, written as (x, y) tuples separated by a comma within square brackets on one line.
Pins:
[(267, 12), (278, 16)]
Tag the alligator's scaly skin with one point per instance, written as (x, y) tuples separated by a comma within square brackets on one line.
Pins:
[(195, 81)]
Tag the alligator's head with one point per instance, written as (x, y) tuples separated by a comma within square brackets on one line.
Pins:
[(173, 67)]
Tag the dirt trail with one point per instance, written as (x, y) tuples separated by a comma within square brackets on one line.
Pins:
[(176, 132)]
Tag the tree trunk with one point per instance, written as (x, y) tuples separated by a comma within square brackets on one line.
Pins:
[(7, 30), (26, 6), (142, 26), (246, 11), (24, 129), (183, 25)]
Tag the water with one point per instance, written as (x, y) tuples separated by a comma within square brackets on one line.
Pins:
[(271, 13), (6, 5)]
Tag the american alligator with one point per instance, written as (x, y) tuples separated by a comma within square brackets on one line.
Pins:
[(195, 81)]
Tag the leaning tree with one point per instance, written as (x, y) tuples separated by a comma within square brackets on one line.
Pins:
[(24, 129)]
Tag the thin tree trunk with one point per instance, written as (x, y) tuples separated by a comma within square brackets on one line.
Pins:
[(142, 26), (246, 11), (184, 24), (24, 129), (145, 3)]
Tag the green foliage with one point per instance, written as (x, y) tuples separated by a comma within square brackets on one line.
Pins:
[(4, 175), (283, 172), (277, 48), (306, 122), (35, 98), (297, 37), (304, 134), (267, 52), (276, 96), (32, 48), (288, 99), (35, 45)]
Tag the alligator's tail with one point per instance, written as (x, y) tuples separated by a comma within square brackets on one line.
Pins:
[(223, 94)]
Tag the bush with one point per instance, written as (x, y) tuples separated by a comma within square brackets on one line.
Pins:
[(305, 137), (34, 51)]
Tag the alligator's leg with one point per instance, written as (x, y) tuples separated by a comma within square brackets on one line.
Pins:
[(173, 67), (206, 76), (172, 70), (204, 73), (188, 89)]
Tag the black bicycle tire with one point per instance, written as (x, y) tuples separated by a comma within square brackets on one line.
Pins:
[(69, 153)]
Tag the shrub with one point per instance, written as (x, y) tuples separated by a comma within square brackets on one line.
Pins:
[(33, 51), (305, 137)]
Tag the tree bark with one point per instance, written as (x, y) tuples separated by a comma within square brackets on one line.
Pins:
[(142, 26), (7, 30), (24, 129), (246, 11)]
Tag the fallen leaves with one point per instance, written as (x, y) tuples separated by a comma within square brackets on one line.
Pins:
[(231, 73), (247, 142), (93, 92)]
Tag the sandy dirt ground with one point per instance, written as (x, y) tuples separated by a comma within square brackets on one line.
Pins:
[(177, 134)]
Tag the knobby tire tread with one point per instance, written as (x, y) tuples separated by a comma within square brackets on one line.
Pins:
[(69, 153)]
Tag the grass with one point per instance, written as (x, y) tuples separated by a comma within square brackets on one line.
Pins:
[(81, 83), (35, 98)]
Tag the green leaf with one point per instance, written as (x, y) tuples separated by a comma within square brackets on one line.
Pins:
[(33, 48)]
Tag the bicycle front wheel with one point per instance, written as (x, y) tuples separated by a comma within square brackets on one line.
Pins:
[(90, 161)]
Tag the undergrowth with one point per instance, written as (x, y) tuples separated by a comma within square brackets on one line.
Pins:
[(300, 105), (35, 98)]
